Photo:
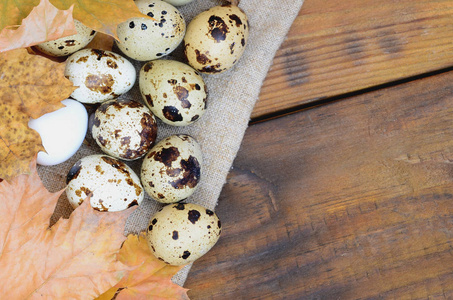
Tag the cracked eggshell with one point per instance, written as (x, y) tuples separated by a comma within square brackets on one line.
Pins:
[(144, 39), (178, 2), (113, 184), (100, 75), (70, 44), (216, 39), (171, 170), (173, 91), (181, 233), (124, 129)]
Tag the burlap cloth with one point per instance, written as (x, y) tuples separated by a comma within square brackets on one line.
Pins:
[(232, 96)]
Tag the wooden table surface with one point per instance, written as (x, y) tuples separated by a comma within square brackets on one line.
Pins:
[(343, 187)]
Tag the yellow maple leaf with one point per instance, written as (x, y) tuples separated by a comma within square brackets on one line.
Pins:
[(30, 86), (74, 259), (149, 277)]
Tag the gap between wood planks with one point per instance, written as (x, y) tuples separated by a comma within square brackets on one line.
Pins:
[(332, 99)]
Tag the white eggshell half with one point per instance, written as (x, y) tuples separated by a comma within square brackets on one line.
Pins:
[(173, 91), (70, 44), (100, 75), (183, 232), (113, 184), (172, 169), (216, 39), (178, 2), (144, 39), (62, 132)]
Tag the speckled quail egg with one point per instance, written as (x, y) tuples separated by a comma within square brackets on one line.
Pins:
[(124, 129), (178, 2), (172, 169), (70, 44), (100, 75), (173, 91), (183, 232), (216, 39), (113, 185), (144, 39)]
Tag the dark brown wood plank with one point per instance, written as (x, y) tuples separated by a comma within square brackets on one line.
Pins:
[(345, 201), (336, 47)]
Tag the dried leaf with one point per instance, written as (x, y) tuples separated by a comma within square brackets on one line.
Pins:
[(150, 278), (74, 259), (100, 15), (30, 86), (101, 41), (44, 23)]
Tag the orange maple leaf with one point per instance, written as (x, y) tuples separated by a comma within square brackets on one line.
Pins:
[(74, 259), (30, 86), (101, 41), (44, 23), (149, 277), (100, 15)]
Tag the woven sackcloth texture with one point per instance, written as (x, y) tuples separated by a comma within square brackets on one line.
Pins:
[(220, 130)]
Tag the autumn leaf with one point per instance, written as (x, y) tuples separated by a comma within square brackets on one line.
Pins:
[(30, 86), (150, 278), (100, 15), (74, 259), (101, 41), (44, 23)]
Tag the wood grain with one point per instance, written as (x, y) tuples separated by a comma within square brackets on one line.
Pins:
[(336, 47), (345, 201)]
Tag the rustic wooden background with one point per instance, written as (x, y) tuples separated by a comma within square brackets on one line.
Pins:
[(343, 186)]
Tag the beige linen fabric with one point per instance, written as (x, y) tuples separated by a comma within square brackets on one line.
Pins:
[(220, 130)]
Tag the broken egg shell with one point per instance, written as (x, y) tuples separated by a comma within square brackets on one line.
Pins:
[(144, 39), (182, 232), (178, 2), (124, 129), (69, 44), (62, 132), (171, 171), (173, 91), (112, 184), (100, 75), (216, 39)]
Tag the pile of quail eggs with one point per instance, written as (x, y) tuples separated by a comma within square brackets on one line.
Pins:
[(126, 130)]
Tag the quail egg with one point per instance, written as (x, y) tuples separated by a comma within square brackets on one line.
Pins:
[(173, 91), (124, 129), (171, 170), (70, 44), (112, 184), (100, 75), (216, 39), (144, 39), (183, 232)]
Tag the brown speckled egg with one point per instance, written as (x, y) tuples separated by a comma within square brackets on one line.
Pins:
[(100, 75), (124, 129), (173, 91), (216, 39), (172, 169), (144, 39), (70, 44), (114, 185), (181, 233)]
